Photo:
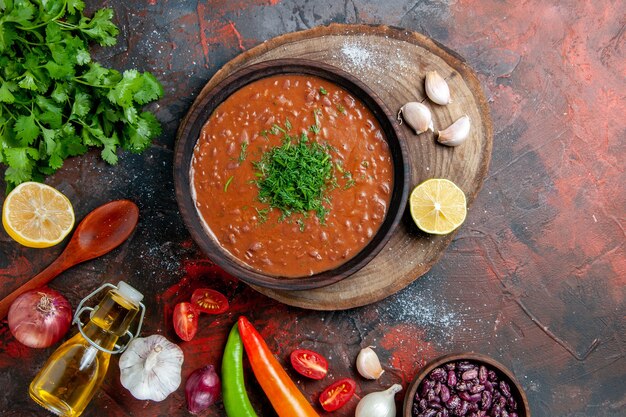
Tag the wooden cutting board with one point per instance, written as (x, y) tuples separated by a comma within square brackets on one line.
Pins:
[(392, 62)]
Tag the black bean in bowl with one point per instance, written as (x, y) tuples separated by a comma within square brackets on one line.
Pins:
[(465, 385)]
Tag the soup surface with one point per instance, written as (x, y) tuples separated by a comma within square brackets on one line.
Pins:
[(229, 165)]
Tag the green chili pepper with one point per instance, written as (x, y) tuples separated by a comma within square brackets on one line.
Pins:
[(234, 393)]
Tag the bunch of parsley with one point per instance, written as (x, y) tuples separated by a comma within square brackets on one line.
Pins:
[(55, 102)]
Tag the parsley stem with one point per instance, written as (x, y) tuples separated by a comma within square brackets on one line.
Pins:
[(78, 80), (8, 111)]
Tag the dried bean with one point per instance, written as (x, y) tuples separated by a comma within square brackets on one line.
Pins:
[(465, 366), (453, 402), (505, 413), (461, 410), (464, 395), (451, 366), (488, 386), (444, 394), (471, 374), (427, 385), (438, 374), (482, 374), (451, 378), (431, 396), (506, 390), (430, 413), (423, 404), (462, 386), (511, 403), (496, 411), (445, 413), (435, 406), (492, 376), (486, 400), (512, 414), (475, 389), (437, 387)]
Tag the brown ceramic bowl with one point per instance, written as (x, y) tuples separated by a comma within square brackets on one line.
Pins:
[(204, 106), (502, 373)]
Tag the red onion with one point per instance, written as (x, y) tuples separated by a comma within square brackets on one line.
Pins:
[(39, 318), (202, 389)]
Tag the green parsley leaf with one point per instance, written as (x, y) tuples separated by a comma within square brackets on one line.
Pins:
[(28, 81), (23, 11), (81, 105), (7, 37), (149, 90), (5, 92), (74, 6), (323, 91), (82, 56), (100, 28), (26, 129)]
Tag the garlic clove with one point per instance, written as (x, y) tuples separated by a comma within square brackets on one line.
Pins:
[(456, 133), (437, 88), (416, 115), (368, 364)]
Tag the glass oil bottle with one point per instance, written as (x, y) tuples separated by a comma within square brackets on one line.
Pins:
[(74, 372)]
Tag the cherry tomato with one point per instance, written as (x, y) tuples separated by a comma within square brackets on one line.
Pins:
[(185, 321), (308, 363), (336, 395), (209, 301)]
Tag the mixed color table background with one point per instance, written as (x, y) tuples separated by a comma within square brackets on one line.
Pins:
[(535, 278)]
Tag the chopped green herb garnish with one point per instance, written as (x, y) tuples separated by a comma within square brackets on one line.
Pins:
[(301, 225), (323, 91), (339, 166), (287, 124), (349, 183), (365, 164), (316, 127), (341, 109), (228, 181), (244, 152), (262, 213), (295, 176)]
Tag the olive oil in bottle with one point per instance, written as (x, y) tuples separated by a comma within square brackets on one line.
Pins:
[(74, 372)]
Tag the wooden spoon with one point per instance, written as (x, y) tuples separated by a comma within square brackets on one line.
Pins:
[(101, 231)]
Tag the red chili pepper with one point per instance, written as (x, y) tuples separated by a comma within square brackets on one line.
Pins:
[(282, 392)]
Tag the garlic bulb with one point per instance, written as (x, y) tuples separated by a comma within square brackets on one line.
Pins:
[(456, 133), (437, 88), (378, 404), (368, 364), (416, 115), (150, 367)]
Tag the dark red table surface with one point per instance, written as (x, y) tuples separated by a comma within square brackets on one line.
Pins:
[(535, 278)]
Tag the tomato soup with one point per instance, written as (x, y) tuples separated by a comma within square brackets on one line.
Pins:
[(280, 112)]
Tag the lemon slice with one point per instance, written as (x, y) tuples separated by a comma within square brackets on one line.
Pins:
[(438, 206), (37, 215)]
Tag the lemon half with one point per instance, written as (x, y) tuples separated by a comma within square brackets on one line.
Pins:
[(438, 206), (37, 215)]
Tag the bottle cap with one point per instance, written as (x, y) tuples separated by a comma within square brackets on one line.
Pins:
[(129, 293)]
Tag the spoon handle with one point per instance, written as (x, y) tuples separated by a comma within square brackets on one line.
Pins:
[(41, 279)]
